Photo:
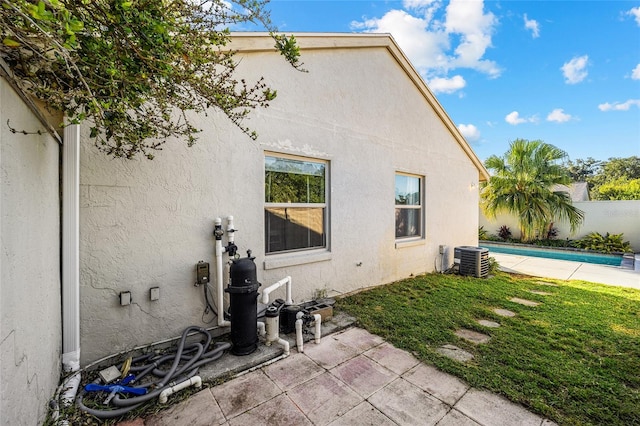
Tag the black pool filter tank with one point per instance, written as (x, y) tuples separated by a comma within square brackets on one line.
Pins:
[(243, 305)]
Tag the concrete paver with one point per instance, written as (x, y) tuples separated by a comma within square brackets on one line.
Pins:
[(277, 411), (324, 398), (487, 323), (363, 414), (407, 404), (455, 353), (524, 302), (200, 409), (244, 393), (364, 375), (330, 353), (456, 418), (504, 312), (490, 409), (359, 339), (394, 359), (293, 370), (445, 387)]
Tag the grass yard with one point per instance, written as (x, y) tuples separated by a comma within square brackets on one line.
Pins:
[(575, 358)]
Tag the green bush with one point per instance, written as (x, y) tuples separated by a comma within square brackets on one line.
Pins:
[(604, 243), (482, 233)]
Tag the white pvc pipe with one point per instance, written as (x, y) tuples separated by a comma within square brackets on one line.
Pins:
[(285, 345), (219, 280), (299, 341), (272, 287), (230, 229), (318, 320), (261, 328), (193, 381)]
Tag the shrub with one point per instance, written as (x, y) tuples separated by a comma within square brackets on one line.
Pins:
[(482, 233), (504, 232), (604, 243)]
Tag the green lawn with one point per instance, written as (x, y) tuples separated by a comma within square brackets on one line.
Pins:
[(575, 358)]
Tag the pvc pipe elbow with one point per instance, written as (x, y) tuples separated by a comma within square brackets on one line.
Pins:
[(164, 395), (299, 341)]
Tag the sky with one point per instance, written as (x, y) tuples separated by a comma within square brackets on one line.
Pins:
[(564, 72)]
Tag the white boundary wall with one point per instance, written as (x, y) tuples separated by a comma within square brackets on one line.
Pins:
[(614, 217)]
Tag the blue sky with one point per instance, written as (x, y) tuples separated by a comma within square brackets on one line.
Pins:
[(565, 72)]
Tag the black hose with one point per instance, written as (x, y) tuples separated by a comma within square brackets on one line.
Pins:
[(192, 357)]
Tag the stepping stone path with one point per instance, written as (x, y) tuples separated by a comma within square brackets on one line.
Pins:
[(524, 302), (455, 353), (504, 312), (541, 293), (472, 336), (547, 284), (490, 324)]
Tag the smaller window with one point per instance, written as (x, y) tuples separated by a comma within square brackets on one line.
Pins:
[(409, 213)]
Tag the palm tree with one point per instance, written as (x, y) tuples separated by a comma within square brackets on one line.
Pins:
[(522, 184)]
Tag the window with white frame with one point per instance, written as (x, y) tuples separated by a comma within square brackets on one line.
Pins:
[(295, 195), (409, 206)]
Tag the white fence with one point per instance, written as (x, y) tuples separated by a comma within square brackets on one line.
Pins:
[(614, 217)]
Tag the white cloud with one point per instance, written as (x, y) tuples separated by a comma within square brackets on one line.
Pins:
[(635, 12), (438, 40), (559, 116), (514, 118), (470, 132), (446, 85), (532, 24), (575, 71), (617, 106), (635, 74)]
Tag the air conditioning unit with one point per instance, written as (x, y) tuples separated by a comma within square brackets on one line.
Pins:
[(472, 261)]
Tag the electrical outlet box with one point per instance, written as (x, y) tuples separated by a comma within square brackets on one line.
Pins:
[(125, 298), (202, 273), (154, 293), (441, 249)]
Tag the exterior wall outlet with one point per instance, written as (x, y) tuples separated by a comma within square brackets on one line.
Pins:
[(154, 293), (125, 298)]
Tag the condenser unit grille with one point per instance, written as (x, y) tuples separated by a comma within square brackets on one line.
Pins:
[(473, 261)]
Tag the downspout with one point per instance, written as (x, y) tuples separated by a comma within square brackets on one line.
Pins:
[(70, 260)]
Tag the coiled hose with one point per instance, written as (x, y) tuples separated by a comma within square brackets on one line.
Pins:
[(186, 361)]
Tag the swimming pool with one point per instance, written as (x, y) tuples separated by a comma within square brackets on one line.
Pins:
[(574, 256)]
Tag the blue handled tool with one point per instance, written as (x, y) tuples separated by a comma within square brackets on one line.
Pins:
[(113, 390)]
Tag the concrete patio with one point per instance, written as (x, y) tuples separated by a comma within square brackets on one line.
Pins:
[(351, 378)]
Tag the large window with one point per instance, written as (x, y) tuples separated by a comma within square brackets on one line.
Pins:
[(295, 198), (409, 217)]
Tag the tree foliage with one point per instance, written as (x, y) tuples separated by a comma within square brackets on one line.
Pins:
[(135, 68), (614, 179), (522, 184)]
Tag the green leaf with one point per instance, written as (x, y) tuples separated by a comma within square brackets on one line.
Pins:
[(8, 41)]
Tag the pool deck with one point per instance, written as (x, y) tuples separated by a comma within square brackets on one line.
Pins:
[(567, 270)]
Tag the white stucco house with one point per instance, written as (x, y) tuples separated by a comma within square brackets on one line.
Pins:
[(358, 176)]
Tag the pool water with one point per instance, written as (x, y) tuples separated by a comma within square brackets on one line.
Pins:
[(574, 256)]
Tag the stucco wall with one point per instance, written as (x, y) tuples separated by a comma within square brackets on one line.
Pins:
[(30, 265), (614, 217), (147, 223)]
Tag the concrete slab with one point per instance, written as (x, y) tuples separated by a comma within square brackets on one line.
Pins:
[(407, 404), (324, 398), (394, 359), (364, 414), (277, 411), (200, 409), (330, 352), (364, 375), (487, 323), (455, 353), (504, 312), (244, 393), (443, 386), (472, 336), (293, 370), (490, 409), (524, 302), (456, 418), (359, 339)]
